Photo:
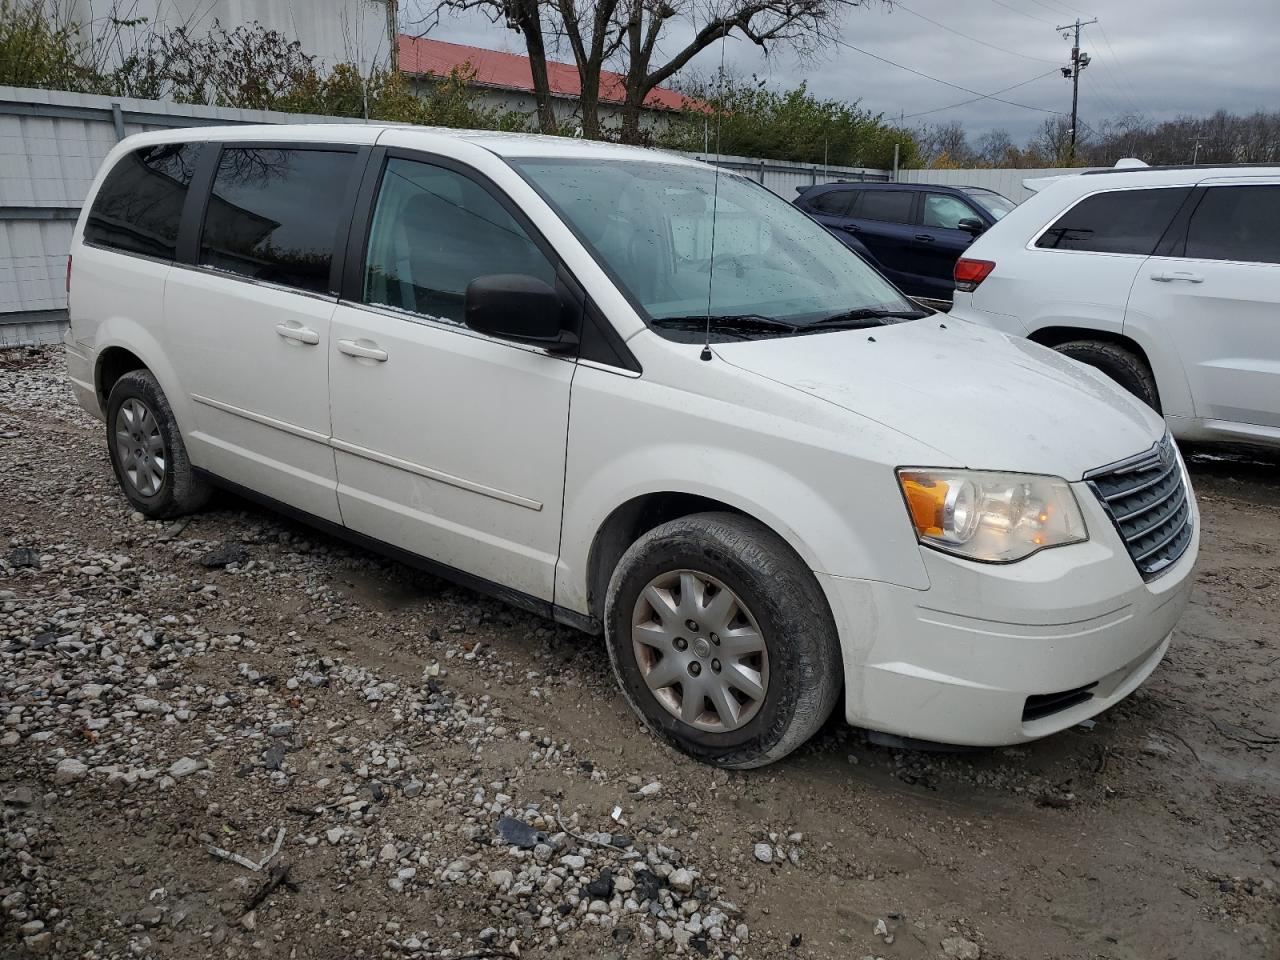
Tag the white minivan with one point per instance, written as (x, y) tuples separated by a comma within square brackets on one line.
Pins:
[(647, 398), (1165, 278)]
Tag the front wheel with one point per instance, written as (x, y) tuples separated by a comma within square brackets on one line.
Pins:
[(1123, 366), (722, 640)]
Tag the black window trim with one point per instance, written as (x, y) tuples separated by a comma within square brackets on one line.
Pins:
[(1032, 244), (351, 290), (192, 191), (194, 213)]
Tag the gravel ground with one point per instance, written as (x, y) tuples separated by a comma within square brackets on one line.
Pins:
[(234, 737)]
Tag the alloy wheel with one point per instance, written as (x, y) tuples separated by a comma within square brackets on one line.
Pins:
[(140, 447)]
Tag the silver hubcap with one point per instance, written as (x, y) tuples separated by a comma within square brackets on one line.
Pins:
[(700, 651), (140, 447)]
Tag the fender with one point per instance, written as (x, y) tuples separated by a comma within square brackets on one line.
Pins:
[(882, 550), (127, 333), (1166, 363)]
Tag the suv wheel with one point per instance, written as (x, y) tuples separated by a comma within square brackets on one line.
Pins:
[(1123, 366), (147, 452), (721, 640)]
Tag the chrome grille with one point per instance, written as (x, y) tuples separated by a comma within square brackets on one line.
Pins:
[(1147, 499)]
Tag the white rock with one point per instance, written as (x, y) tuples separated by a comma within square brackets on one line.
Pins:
[(69, 771), (184, 767), (650, 789), (681, 880), (764, 853), (961, 949), (501, 878)]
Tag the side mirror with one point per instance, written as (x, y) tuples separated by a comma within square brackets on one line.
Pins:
[(972, 225), (514, 306)]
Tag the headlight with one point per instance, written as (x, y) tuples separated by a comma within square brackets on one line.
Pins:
[(996, 517)]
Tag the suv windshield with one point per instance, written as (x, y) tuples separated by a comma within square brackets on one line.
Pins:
[(992, 202), (652, 225)]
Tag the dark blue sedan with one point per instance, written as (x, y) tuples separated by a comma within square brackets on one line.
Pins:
[(912, 233)]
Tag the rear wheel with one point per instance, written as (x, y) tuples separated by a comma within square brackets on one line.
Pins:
[(721, 640), (1123, 366), (147, 452)]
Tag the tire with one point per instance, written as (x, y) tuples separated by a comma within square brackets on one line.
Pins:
[(152, 468), (777, 601), (1123, 366)]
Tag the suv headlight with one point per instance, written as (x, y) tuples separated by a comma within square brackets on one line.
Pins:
[(994, 517)]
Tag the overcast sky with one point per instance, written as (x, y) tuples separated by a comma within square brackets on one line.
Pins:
[(1159, 58)]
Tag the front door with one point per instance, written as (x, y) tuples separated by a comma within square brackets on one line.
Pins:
[(1219, 301), (248, 326), (450, 444), (940, 242)]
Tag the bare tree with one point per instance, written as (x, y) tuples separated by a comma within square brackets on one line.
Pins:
[(629, 35), (522, 16)]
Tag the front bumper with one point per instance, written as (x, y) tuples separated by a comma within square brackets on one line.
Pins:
[(956, 663), (80, 371)]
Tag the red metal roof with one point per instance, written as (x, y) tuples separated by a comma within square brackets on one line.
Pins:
[(510, 71)]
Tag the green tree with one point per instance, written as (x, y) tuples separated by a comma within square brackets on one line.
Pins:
[(39, 50), (749, 119)]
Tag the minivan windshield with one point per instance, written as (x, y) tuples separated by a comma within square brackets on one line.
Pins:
[(681, 245)]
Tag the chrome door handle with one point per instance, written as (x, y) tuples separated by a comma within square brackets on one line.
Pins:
[(1178, 275), (298, 334), (353, 348)]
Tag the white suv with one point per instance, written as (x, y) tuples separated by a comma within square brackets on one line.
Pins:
[(1167, 279), (647, 398)]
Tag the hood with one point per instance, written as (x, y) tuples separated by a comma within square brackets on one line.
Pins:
[(989, 401)]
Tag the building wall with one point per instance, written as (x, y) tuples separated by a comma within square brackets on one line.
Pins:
[(333, 31), (566, 108)]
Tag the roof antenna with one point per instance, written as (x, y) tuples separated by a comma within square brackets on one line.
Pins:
[(715, 199)]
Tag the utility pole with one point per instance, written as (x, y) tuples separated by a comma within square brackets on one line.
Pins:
[(1078, 62), (1195, 157)]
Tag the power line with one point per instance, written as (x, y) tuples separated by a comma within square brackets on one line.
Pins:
[(936, 23), (1058, 8), (962, 103), (946, 83), (1029, 16), (1119, 68)]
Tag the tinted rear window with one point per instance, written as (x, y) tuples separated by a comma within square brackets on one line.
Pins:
[(834, 203), (1237, 223), (274, 214), (139, 206), (891, 205), (1119, 221)]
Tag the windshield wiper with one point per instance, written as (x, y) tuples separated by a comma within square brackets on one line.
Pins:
[(732, 322), (867, 317)]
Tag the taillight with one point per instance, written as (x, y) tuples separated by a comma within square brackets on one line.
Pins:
[(970, 273), (68, 274)]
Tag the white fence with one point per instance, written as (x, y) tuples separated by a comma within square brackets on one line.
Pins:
[(784, 177), (1005, 182)]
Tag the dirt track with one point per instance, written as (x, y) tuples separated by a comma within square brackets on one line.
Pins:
[(388, 721)]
